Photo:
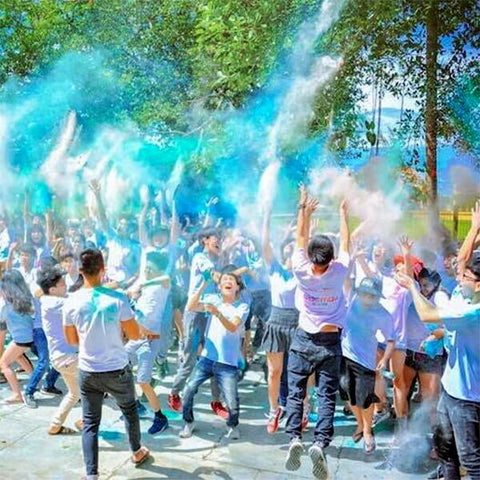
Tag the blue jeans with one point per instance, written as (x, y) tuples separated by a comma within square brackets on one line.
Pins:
[(93, 386), (227, 379), (457, 436), (318, 353), (40, 349)]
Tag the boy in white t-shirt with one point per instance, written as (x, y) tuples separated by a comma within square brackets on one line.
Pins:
[(221, 352), (316, 347)]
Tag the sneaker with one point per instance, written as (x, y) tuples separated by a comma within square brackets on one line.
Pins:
[(30, 401), (295, 450), (233, 433), (380, 417), (283, 413), (52, 390), (159, 425), (319, 462), (187, 430), (437, 474), (273, 421), (219, 410), (175, 402)]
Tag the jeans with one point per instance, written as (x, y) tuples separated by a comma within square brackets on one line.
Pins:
[(318, 353), (457, 436), (227, 378), (93, 386), (283, 394), (40, 349), (195, 325)]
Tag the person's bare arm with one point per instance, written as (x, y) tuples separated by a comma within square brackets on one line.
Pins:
[(230, 325), (142, 231), (382, 365), (193, 304), (71, 334), (471, 240), (344, 230), (305, 209), (426, 311), (406, 248), (49, 227), (267, 251), (131, 329), (102, 214)]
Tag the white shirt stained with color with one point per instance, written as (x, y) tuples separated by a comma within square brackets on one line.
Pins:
[(97, 314)]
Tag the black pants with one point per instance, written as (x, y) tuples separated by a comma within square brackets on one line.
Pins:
[(93, 386), (318, 353), (457, 437)]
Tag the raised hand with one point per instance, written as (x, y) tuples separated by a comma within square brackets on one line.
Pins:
[(344, 207), (311, 204), (303, 194), (476, 215), (212, 201), (404, 280), (405, 244), (94, 186)]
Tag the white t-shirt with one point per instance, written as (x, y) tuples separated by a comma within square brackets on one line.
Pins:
[(319, 298), (96, 313), (151, 305), (221, 345)]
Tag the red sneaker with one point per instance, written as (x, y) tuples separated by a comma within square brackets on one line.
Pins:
[(219, 409), (273, 421), (175, 402)]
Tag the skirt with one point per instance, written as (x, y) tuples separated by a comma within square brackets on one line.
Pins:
[(280, 329)]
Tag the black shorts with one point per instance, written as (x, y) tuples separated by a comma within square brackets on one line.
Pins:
[(359, 384), (26, 345), (421, 362)]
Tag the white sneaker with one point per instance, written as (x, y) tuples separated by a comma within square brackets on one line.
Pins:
[(319, 462), (187, 430), (233, 433), (295, 450)]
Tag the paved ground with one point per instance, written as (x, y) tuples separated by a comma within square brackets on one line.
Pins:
[(27, 452)]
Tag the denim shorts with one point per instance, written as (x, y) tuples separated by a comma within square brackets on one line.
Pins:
[(421, 362), (142, 353)]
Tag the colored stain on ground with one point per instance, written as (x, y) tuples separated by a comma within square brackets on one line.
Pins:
[(111, 435)]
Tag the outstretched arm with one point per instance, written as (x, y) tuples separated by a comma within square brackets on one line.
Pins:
[(267, 250), (102, 214), (344, 230), (306, 207), (406, 248)]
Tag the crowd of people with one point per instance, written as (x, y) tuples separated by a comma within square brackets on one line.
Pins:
[(101, 306)]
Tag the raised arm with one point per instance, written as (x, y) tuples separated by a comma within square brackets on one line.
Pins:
[(471, 241), (49, 228), (426, 311), (26, 215), (142, 230), (406, 246), (344, 230), (267, 250), (208, 216), (303, 219), (102, 214), (193, 304)]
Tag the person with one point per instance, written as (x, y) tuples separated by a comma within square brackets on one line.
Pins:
[(204, 265), (17, 313), (365, 317), (316, 346), (123, 253), (96, 318), (281, 326), (64, 357), (457, 437), (221, 352), (73, 279), (150, 312)]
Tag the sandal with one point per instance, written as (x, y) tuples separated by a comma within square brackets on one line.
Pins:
[(12, 401), (369, 445), (63, 431), (145, 454), (357, 436)]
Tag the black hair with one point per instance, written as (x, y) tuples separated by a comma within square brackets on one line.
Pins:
[(65, 256), (320, 250), (432, 276), (29, 249), (47, 262), (206, 233), (91, 261), (16, 292), (474, 265), (48, 277), (228, 270)]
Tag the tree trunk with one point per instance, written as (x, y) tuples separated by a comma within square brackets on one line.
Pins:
[(431, 119)]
